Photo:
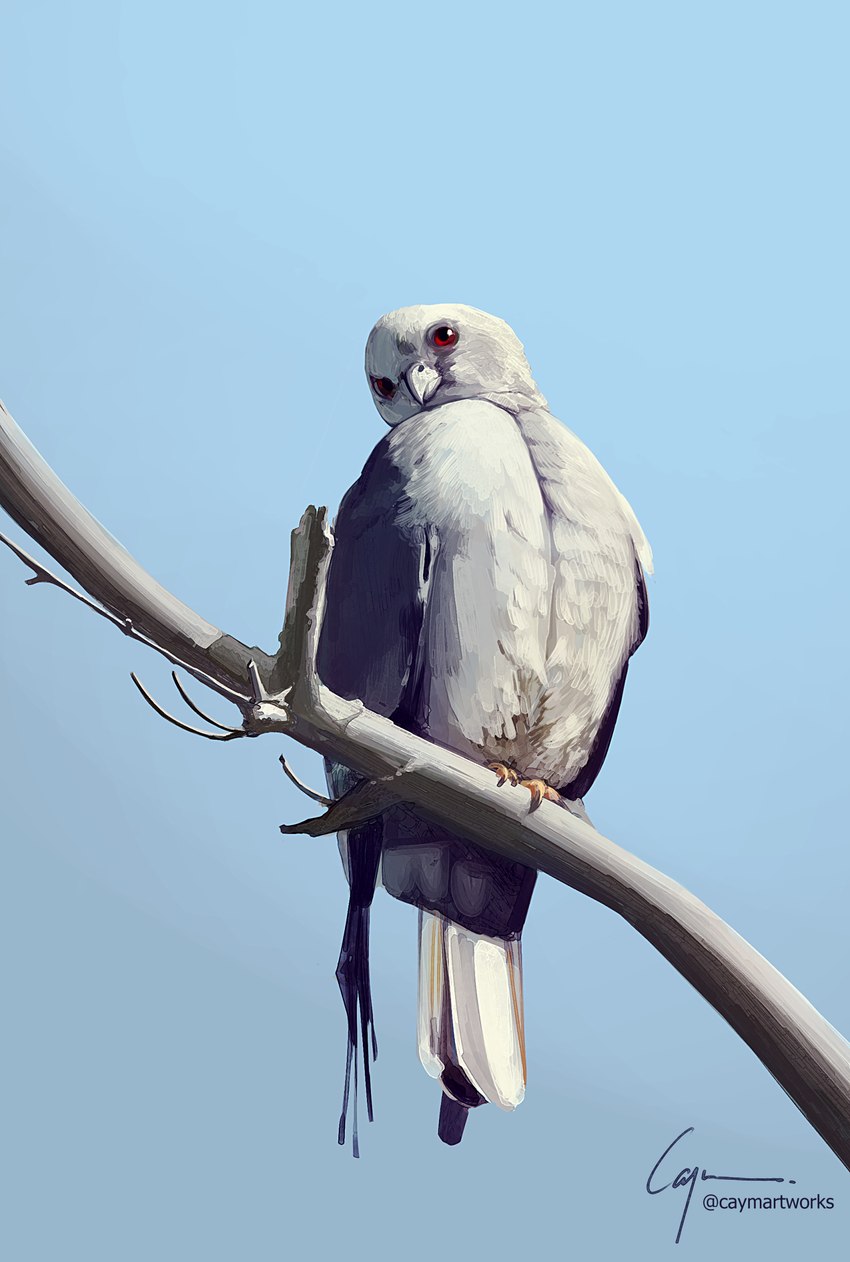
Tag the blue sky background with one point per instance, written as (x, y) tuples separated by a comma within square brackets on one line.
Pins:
[(203, 209)]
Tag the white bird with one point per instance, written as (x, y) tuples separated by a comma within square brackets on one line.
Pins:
[(486, 591)]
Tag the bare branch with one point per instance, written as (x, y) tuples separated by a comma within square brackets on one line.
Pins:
[(806, 1055), (200, 713), (367, 800), (232, 733), (42, 575), (299, 784), (295, 665), (42, 505), (258, 692)]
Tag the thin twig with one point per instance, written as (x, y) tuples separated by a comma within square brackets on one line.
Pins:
[(42, 575), (224, 727), (185, 727), (299, 784), (258, 692), (88, 554), (367, 800)]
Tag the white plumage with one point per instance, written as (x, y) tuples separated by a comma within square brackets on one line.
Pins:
[(471, 1006), (486, 591)]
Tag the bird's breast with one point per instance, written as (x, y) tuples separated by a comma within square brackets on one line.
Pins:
[(468, 480)]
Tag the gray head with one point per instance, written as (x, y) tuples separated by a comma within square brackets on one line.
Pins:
[(422, 357)]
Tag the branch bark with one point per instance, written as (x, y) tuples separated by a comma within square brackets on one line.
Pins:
[(805, 1054)]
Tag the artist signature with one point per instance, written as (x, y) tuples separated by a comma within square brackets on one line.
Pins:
[(688, 1176)]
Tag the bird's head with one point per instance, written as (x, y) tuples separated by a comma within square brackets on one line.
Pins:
[(422, 357)]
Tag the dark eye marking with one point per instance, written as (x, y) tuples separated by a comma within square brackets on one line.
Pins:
[(443, 336), (384, 387)]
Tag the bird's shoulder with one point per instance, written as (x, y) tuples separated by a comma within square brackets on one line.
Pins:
[(579, 492)]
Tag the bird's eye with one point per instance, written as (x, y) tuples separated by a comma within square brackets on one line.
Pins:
[(443, 336), (384, 387)]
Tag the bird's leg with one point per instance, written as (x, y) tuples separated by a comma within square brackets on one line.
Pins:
[(504, 772), (539, 790)]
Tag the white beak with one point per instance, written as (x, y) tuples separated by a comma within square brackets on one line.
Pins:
[(422, 381)]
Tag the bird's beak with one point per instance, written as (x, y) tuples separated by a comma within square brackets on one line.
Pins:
[(422, 381)]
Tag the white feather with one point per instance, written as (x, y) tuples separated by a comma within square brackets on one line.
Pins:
[(432, 972), (471, 1008)]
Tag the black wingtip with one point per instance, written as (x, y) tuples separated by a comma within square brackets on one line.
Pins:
[(452, 1120)]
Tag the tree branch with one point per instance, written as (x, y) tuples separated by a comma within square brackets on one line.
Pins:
[(805, 1054), (367, 800), (305, 789), (42, 505)]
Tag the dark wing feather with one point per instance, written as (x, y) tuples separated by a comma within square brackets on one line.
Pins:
[(376, 591), (375, 598)]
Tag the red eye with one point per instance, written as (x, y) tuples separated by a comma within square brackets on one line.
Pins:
[(384, 387), (443, 336)]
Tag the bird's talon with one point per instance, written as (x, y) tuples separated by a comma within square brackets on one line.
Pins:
[(539, 790), (504, 773)]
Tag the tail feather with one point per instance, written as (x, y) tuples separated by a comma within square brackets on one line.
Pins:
[(485, 994), (471, 1021), (432, 994)]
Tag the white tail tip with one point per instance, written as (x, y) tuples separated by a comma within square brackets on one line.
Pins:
[(471, 1008)]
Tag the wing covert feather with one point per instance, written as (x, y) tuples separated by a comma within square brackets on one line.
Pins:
[(598, 614), (375, 593)]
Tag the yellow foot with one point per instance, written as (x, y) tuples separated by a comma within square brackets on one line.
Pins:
[(539, 790), (504, 773)]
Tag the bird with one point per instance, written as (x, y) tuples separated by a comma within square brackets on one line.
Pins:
[(486, 591)]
